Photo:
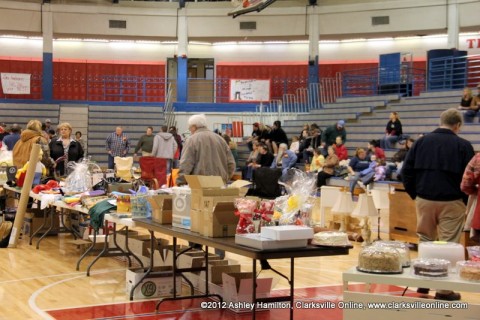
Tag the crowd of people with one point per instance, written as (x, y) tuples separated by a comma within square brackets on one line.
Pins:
[(58, 146), (439, 170), (324, 152)]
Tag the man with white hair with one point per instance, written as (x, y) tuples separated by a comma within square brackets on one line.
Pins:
[(205, 153), (117, 145)]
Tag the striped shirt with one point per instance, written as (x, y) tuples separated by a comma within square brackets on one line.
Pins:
[(118, 145)]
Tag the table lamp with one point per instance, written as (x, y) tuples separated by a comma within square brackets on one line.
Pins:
[(365, 208), (381, 201), (343, 206)]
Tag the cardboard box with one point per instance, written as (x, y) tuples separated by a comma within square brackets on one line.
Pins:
[(216, 268), (162, 209), (196, 220), (166, 253), (192, 259), (237, 287), (255, 240), (140, 245), (181, 207), (289, 232), (34, 219), (212, 186), (162, 256), (84, 245), (121, 238), (207, 192), (221, 221), (159, 283)]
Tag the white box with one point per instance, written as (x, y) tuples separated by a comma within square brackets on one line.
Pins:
[(255, 240), (287, 232), (157, 284), (237, 287), (182, 198)]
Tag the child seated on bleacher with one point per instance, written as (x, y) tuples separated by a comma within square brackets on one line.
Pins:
[(376, 171), (317, 160)]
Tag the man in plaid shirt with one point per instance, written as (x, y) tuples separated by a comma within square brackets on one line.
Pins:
[(117, 145)]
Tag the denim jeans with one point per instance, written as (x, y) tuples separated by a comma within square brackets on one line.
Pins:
[(388, 141), (111, 162)]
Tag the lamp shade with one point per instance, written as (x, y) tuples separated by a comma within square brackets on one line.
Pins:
[(365, 207), (381, 199), (344, 204)]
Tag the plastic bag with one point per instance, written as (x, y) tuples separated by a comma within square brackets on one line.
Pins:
[(296, 207), (265, 211), (245, 211), (80, 179), (7, 157)]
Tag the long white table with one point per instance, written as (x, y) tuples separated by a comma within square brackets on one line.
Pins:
[(228, 244), (438, 310), (48, 214), (116, 250)]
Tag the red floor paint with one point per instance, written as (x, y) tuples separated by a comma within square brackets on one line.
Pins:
[(191, 310)]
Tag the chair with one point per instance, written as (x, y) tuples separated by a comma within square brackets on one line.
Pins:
[(154, 171), (123, 167)]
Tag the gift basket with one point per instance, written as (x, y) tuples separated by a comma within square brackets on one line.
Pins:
[(79, 180), (296, 207)]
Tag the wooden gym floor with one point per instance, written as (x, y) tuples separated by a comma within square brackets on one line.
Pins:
[(43, 284)]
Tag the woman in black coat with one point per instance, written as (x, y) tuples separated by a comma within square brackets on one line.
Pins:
[(65, 149)]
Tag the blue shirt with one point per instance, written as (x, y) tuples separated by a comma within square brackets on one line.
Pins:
[(287, 162), (118, 145), (358, 165), (10, 140)]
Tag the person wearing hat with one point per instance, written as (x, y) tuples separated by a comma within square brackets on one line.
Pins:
[(48, 124), (13, 137), (331, 133)]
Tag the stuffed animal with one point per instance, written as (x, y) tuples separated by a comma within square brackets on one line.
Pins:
[(40, 171)]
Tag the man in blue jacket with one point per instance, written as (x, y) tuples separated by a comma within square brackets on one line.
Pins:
[(432, 173)]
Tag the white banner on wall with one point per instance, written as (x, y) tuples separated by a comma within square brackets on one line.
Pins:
[(249, 90), (16, 83)]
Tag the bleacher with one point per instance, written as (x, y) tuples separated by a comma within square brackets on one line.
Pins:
[(366, 118), (23, 113), (102, 121), (417, 114)]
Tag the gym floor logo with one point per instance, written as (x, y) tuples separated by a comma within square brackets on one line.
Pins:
[(149, 288)]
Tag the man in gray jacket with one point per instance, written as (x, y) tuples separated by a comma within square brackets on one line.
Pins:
[(205, 153), (164, 146)]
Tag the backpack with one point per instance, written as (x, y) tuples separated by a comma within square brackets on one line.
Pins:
[(265, 181)]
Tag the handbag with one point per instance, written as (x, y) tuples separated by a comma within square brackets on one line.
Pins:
[(7, 173), (341, 171), (112, 184)]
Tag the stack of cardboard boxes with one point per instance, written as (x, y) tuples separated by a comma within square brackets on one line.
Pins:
[(207, 208), (212, 205)]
